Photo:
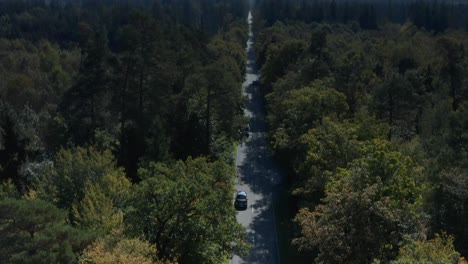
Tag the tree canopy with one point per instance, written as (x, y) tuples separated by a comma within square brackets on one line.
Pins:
[(365, 104), (113, 111)]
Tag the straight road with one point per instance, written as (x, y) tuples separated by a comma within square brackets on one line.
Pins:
[(257, 173)]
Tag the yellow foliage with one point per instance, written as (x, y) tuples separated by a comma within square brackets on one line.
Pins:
[(99, 208), (125, 251)]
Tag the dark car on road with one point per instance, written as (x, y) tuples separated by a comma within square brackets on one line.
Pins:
[(244, 132), (247, 130), (241, 201)]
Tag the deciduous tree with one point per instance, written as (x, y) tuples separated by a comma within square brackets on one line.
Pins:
[(185, 210)]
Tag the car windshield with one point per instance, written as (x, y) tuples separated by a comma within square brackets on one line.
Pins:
[(241, 197)]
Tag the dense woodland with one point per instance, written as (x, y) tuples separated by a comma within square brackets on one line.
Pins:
[(118, 121), (368, 110)]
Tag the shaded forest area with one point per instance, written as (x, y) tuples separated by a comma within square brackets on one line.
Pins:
[(430, 14), (118, 121), (369, 114)]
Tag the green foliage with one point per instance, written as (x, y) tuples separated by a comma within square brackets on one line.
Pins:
[(452, 197), (83, 178), (85, 105), (34, 77), (222, 150), (221, 48), (23, 133), (8, 190), (143, 82), (101, 207), (458, 139), (367, 209), (148, 81), (34, 231), (35, 74), (454, 68), (318, 41), (116, 83), (212, 98), (279, 57), (294, 112), (437, 250), (330, 146), (399, 83), (185, 209)]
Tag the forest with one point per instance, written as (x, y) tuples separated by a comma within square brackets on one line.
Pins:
[(368, 111), (119, 120)]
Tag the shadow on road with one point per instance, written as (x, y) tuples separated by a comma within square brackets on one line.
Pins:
[(258, 172)]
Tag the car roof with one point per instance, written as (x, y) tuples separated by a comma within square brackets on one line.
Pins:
[(241, 193)]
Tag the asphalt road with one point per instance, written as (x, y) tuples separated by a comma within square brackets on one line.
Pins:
[(257, 174)]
